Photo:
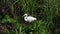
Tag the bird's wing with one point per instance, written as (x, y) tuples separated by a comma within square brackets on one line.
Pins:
[(31, 18)]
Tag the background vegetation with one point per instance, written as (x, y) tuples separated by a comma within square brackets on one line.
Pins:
[(47, 13)]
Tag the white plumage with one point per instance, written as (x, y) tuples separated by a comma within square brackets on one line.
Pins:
[(29, 18)]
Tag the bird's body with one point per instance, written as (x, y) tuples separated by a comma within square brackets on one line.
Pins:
[(29, 18)]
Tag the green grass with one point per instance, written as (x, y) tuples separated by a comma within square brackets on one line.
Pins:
[(36, 27), (46, 9)]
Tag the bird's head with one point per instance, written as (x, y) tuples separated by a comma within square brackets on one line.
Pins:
[(25, 15)]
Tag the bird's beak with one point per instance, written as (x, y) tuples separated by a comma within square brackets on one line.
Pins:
[(23, 15)]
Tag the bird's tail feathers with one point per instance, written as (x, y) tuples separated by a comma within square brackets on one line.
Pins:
[(35, 19)]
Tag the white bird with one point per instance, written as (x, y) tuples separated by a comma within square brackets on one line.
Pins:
[(29, 18)]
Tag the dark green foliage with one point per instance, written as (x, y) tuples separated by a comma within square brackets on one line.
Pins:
[(11, 12)]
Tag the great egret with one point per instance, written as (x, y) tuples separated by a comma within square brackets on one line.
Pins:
[(29, 18)]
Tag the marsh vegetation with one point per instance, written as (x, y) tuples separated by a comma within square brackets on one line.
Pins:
[(47, 13)]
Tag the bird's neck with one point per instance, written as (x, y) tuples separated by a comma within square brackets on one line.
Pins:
[(25, 18)]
